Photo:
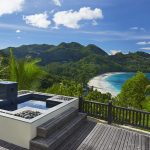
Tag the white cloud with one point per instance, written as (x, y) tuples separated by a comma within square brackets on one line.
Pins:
[(134, 28), (138, 28), (72, 18), (94, 23), (113, 52), (111, 35), (145, 48), (55, 27), (10, 6), (37, 20), (142, 29), (57, 2), (18, 31), (18, 37), (143, 43), (13, 27), (52, 11)]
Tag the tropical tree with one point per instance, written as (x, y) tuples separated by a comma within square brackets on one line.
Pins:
[(147, 90), (3, 67), (133, 91), (95, 95), (26, 72), (68, 88)]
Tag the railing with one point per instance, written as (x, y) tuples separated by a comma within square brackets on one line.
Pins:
[(115, 114)]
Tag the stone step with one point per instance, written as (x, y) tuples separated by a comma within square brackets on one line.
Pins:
[(55, 123), (57, 138)]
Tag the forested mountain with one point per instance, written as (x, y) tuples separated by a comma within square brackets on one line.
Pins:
[(64, 52), (80, 63), (138, 61)]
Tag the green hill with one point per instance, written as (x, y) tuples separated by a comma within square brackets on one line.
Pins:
[(79, 62), (64, 52)]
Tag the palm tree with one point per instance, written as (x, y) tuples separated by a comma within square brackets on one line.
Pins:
[(3, 67), (147, 90), (26, 72)]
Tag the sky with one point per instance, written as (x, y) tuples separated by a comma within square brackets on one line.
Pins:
[(114, 25)]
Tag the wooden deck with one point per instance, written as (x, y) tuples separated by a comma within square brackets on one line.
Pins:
[(92, 136), (7, 146), (106, 137)]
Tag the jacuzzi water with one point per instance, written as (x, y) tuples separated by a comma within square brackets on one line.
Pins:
[(33, 104), (39, 104)]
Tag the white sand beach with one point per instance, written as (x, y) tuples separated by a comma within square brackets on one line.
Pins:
[(101, 84)]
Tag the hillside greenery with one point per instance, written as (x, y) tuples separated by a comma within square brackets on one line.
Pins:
[(65, 69), (134, 92), (26, 72), (74, 61)]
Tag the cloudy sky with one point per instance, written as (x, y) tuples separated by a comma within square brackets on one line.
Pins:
[(114, 25)]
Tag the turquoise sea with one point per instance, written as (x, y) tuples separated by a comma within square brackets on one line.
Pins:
[(117, 80)]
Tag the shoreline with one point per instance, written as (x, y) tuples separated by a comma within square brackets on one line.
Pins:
[(101, 84)]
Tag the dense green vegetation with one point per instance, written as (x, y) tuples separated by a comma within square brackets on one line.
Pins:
[(72, 88), (95, 95), (66, 87), (25, 72), (73, 61), (134, 92), (3, 65), (65, 69)]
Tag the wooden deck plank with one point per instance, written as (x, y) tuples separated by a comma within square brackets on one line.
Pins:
[(120, 140), (101, 140), (123, 140), (72, 142), (92, 136), (140, 142), (88, 144), (133, 141), (117, 140), (136, 142), (99, 136), (113, 138), (8, 146), (88, 138), (100, 132), (128, 137), (147, 143), (107, 142), (79, 140), (143, 142)]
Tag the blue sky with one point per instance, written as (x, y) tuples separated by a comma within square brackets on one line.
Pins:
[(114, 25)]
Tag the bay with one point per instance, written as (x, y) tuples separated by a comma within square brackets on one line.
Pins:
[(111, 82)]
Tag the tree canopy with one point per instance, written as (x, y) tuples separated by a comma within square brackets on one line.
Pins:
[(26, 72), (133, 91), (68, 88)]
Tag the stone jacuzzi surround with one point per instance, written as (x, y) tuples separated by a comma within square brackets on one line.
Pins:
[(20, 131)]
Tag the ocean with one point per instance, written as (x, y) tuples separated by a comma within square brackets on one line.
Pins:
[(117, 80)]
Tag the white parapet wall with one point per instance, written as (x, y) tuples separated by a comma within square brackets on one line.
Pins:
[(20, 131)]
